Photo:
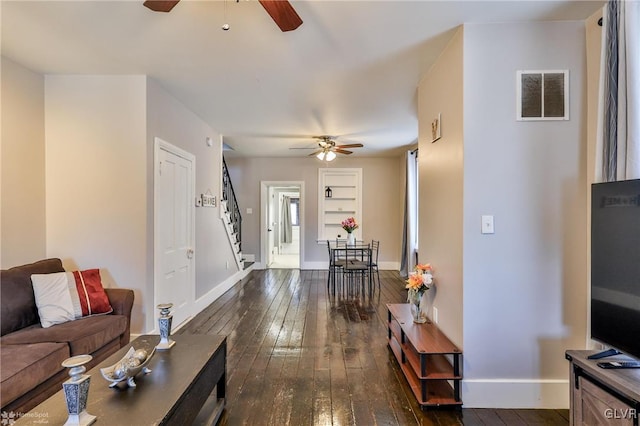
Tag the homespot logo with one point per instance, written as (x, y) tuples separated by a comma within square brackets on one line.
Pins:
[(8, 418), (621, 413)]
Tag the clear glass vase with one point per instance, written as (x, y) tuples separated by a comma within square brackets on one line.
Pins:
[(417, 313)]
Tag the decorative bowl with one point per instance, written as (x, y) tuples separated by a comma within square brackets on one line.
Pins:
[(125, 370)]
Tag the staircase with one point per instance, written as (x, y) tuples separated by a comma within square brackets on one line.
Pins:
[(231, 216)]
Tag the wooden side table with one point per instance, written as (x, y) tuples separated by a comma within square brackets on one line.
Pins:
[(431, 363)]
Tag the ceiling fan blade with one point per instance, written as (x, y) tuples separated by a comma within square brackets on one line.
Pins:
[(342, 151), (351, 145), (283, 14), (298, 147), (313, 154), (161, 5)]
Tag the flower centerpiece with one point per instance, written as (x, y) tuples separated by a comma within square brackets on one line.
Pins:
[(419, 281), (350, 225)]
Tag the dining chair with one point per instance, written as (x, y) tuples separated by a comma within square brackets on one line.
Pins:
[(356, 268), (336, 264), (373, 266)]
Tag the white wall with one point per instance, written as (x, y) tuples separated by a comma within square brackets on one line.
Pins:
[(22, 153), (382, 201), (593, 45), (96, 181), (524, 287)]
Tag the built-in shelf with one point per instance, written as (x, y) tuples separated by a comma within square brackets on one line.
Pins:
[(345, 201)]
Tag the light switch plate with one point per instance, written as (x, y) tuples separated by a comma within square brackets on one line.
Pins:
[(487, 224)]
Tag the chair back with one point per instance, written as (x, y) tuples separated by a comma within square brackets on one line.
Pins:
[(375, 248)]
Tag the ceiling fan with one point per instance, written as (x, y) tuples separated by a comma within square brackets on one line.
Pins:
[(328, 148), (281, 11)]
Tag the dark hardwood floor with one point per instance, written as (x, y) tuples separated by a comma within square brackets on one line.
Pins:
[(300, 356)]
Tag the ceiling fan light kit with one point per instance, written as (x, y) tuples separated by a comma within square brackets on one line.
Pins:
[(326, 155)]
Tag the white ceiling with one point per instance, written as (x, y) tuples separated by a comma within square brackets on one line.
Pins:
[(351, 69)]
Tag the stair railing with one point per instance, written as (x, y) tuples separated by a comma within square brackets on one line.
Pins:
[(229, 195)]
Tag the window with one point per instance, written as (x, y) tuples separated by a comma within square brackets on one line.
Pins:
[(295, 211)]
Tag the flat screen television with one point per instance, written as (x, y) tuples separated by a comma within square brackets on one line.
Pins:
[(615, 265)]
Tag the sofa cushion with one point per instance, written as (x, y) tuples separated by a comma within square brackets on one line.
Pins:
[(23, 367), (84, 336), (67, 296), (18, 305)]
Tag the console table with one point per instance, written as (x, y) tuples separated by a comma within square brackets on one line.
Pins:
[(602, 396), (431, 363), (186, 386)]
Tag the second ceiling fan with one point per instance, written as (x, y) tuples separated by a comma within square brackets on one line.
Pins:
[(281, 11), (328, 148)]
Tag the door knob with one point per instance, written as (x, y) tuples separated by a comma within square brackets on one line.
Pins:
[(190, 253)]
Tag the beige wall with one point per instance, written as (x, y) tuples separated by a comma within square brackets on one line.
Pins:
[(382, 201), (441, 173), (23, 180), (96, 179), (172, 122)]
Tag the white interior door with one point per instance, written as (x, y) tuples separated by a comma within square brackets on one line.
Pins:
[(174, 232), (270, 230)]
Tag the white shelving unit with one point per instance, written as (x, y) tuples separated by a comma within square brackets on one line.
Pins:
[(345, 201)]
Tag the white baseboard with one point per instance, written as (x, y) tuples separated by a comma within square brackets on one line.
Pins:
[(201, 303), (220, 289), (324, 265), (514, 393)]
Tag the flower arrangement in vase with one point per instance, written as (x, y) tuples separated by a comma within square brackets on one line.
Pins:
[(419, 281), (350, 225)]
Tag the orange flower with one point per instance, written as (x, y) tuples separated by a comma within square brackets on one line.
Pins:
[(424, 267), (414, 282)]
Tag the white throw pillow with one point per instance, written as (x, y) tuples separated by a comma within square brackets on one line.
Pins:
[(66, 296)]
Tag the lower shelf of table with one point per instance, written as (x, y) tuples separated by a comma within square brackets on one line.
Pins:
[(428, 392)]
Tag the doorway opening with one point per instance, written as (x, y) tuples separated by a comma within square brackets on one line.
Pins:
[(282, 224)]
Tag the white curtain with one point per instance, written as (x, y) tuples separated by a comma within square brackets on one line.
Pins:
[(410, 228), (287, 228), (618, 140)]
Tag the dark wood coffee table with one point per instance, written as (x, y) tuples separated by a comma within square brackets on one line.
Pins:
[(179, 390)]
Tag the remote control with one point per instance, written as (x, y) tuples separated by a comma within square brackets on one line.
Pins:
[(619, 364)]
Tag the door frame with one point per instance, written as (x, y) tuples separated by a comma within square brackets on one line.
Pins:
[(159, 145), (264, 207)]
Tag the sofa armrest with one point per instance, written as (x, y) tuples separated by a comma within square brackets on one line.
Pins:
[(121, 300)]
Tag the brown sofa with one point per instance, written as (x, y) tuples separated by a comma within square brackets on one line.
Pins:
[(31, 356)]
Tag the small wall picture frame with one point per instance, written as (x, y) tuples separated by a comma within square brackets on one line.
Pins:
[(436, 128), (542, 95)]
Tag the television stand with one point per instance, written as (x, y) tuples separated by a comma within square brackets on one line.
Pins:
[(601, 396), (604, 354)]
